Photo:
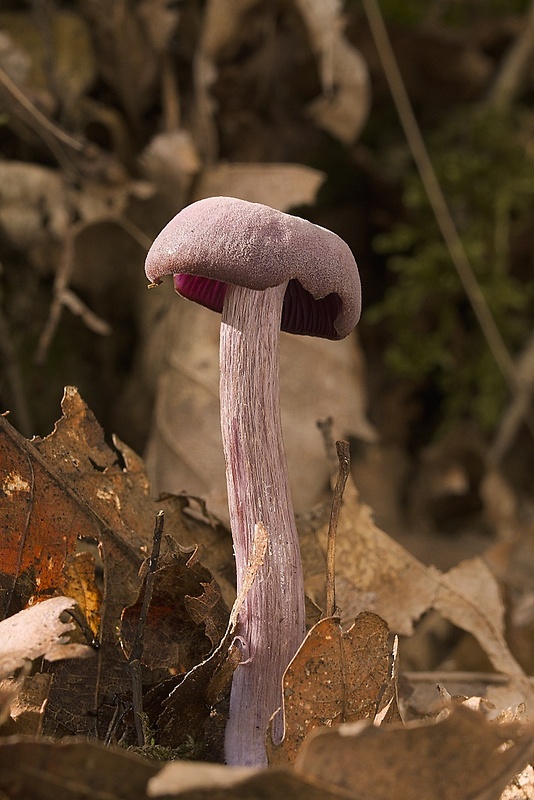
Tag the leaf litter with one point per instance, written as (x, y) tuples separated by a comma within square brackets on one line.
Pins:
[(342, 703)]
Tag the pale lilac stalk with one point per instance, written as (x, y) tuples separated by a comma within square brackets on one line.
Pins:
[(272, 621)]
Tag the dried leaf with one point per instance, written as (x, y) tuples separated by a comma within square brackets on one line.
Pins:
[(185, 710), (171, 161), (376, 573), (282, 186), (30, 696), (213, 782), (463, 756), (33, 206), (343, 108), (80, 584), (71, 770), (37, 632), (186, 619), (335, 677)]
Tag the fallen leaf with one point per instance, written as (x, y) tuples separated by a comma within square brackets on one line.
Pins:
[(80, 584), (183, 708), (335, 677), (33, 205), (214, 782), (71, 770), (282, 186), (72, 487), (344, 106), (38, 632), (186, 619), (376, 573), (26, 713), (463, 756)]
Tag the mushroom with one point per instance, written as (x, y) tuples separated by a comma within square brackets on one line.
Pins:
[(264, 270)]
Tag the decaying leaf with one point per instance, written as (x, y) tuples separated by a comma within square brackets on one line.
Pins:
[(42, 520), (343, 108), (72, 770), (33, 205), (187, 616), (27, 705), (213, 782), (336, 677), (38, 632), (69, 487), (184, 708), (376, 573), (281, 186), (463, 756)]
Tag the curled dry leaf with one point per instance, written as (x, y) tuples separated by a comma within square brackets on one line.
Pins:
[(336, 677), (182, 708), (377, 573), (462, 757), (343, 108), (56, 491), (38, 632), (27, 707), (33, 206), (187, 616), (196, 781)]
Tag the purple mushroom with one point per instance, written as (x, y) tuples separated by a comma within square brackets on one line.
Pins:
[(263, 270)]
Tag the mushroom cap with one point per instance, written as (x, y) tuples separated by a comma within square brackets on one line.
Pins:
[(224, 240)]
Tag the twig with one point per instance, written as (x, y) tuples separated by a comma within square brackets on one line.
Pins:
[(65, 297), (518, 408), (343, 454), (55, 137), (514, 67), (71, 301), (134, 662), (439, 204)]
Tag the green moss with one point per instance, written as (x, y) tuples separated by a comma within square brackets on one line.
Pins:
[(488, 180)]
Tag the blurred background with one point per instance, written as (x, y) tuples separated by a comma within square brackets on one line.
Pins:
[(114, 114)]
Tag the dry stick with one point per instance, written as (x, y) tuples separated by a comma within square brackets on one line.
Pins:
[(439, 204), (343, 454), (514, 415), (134, 662), (48, 131), (515, 66)]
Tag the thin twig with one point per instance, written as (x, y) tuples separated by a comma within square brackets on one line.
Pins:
[(40, 121), (514, 415), (134, 662), (515, 65), (439, 204), (343, 454)]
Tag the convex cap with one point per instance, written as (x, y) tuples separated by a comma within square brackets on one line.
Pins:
[(223, 240)]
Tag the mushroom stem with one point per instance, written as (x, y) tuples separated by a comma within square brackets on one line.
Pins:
[(272, 621)]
